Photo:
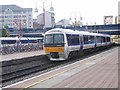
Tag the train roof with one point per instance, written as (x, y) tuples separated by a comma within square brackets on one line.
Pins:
[(8, 38), (16, 38), (61, 30), (70, 31)]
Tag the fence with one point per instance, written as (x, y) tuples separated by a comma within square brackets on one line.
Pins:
[(5, 50)]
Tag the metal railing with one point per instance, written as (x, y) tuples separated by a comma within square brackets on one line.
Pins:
[(5, 50)]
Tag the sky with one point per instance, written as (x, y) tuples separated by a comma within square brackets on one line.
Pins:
[(91, 11)]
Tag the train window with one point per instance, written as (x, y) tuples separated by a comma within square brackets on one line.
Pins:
[(3, 42), (24, 41), (58, 38), (13, 42), (99, 39), (85, 39), (34, 41), (103, 39), (49, 39), (75, 40), (40, 41), (108, 39), (8, 41), (89, 39)]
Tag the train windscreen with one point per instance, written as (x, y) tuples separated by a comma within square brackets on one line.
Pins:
[(54, 39)]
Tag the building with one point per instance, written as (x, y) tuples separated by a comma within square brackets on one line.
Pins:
[(35, 24), (119, 19), (119, 12), (49, 19), (108, 20), (15, 17), (63, 23)]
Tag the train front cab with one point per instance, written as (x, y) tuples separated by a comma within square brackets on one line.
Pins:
[(54, 46)]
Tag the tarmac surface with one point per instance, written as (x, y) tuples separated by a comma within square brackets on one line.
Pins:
[(20, 55)]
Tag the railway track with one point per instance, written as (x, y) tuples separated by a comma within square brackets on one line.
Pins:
[(14, 72)]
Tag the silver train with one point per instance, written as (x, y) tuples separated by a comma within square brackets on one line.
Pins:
[(11, 41), (59, 43)]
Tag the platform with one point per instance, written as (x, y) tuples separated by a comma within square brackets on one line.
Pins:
[(20, 55), (98, 71)]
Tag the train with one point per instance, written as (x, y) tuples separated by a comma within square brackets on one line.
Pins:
[(60, 44), (10, 41)]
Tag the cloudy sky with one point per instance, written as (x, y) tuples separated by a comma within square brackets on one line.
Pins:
[(90, 10)]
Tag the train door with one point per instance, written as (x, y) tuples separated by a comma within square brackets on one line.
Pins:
[(105, 40), (68, 39), (68, 36), (81, 42), (95, 41)]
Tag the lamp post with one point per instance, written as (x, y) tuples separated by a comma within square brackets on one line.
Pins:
[(96, 28), (20, 25), (75, 20), (20, 28), (17, 24), (81, 24), (86, 26), (91, 26), (44, 28), (44, 20)]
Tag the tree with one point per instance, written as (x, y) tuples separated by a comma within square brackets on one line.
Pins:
[(0, 32), (6, 27), (3, 33)]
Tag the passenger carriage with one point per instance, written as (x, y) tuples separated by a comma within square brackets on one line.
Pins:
[(59, 43)]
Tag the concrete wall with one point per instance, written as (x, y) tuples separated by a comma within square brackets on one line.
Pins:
[(48, 19)]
